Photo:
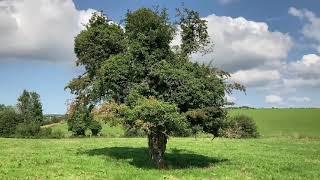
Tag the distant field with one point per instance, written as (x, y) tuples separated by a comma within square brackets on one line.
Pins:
[(284, 122), (187, 158), (271, 122)]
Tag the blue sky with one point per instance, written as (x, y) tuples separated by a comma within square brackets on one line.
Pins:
[(273, 47)]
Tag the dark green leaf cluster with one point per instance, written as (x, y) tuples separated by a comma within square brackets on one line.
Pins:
[(155, 116)]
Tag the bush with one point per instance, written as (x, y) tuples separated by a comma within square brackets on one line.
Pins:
[(26, 130), (240, 126), (95, 127), (9, 120), (134, 132), (79, 120), (44, 133), (57, 134), (208, 120)]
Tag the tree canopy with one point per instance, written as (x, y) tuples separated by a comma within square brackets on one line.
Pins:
[(163, 91)]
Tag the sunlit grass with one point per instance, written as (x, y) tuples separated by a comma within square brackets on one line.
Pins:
[(187, 158)]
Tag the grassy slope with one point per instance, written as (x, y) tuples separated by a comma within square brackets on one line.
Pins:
[(188, 158), (292, 122)]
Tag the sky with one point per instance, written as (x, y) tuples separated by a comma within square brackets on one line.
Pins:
[(272, 47)]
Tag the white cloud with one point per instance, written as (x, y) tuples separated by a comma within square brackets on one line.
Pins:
[(307, 68), (311, 28), (299, 99), (295, 12), (39, 29), (304, 72), (255, 77), (240, 44), (273, 99)]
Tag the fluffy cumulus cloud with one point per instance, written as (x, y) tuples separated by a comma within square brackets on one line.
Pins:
[(39, 29), (304, 72), (273, 99), (240, 44), (255, 77)]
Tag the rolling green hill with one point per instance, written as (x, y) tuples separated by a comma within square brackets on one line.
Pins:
[(284, 122), (271, 122)]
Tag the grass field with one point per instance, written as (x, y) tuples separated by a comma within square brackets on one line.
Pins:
[(284, 122), (285, 151), (187, 158)]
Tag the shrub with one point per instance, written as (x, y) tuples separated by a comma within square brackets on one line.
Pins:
[(31, 129), (208, 120), (240, 126), (134, 132), (44, 133), (57, 134), (9, 120), (79, 120), (95, 127)]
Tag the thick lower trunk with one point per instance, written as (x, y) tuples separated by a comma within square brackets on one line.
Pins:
[(157, 146)]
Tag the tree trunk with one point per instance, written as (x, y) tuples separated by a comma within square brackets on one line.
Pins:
[(157, 146)]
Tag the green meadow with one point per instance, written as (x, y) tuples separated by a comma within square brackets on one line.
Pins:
[(297, 122), (289, 148), (187, 158)]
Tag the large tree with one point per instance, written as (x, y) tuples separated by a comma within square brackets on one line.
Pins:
[(160, 90)]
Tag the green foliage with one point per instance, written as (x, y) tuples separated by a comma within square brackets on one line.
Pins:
[(209, 120), (98, 42), (152, 115), (9, 119), (29, 106), (131, 65), (95, 127), (79, 120), (28, 129), (57, 134), (194, 35), (188, 85), (45, 132), (240, 126)]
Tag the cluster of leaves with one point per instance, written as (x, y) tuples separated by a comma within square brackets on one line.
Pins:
[(239, 126), (80, 119)]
